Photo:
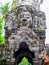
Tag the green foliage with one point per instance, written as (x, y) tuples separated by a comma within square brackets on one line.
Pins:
[(2, 39), (5, 8), (1, 20), (24, 62)]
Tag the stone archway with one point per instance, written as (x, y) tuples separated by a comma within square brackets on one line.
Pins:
[(23, 51)]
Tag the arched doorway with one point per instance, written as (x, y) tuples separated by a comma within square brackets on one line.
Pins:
[(23, 51)]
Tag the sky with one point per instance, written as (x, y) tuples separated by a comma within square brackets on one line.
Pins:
[(45, 8)]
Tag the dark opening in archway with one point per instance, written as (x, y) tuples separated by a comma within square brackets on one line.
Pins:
[(23, 51)]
